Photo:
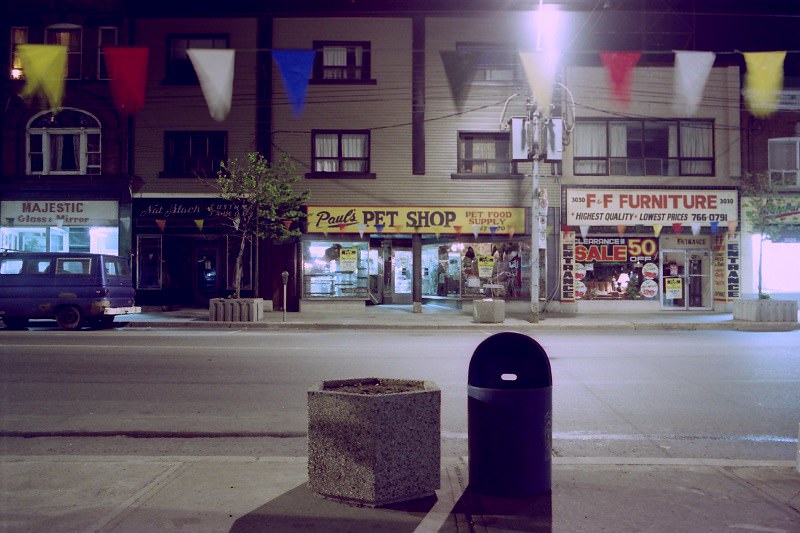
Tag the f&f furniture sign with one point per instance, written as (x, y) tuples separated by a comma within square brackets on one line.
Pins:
[(650, 207)]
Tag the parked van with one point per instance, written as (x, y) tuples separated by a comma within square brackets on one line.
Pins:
[(74, 288)]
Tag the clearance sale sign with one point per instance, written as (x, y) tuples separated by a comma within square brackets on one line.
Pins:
[(649, 207), (616, 249)]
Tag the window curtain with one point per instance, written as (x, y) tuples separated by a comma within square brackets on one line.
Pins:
[(326, 152), (64, 152), (696, 142), (354, 146), (334, 56), (618, 134), (590, 141)]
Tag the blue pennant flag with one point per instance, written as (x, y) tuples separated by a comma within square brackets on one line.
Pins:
[(714, 226), (380, 227), (493, 230), (295, 67)]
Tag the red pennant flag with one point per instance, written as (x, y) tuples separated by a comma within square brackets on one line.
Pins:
[(127, 70), (676, 228), (161, 223), (287, 224), (620, 72), (342, 226)]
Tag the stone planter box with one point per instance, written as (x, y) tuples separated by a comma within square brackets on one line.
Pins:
[(238, 309), (765, 310), (374, 449), (488, 310)]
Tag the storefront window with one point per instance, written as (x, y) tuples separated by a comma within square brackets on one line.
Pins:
[(616, 268), (333, 269), (148, 262), (96, 240)]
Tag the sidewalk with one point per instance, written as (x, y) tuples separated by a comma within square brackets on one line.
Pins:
[(436, 316), (199, 494)]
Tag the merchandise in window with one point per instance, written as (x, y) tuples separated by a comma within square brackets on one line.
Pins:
[(19, 35), (67, 142), (68, 35), (194, 154), (644, 148), (335, 269), (340, 152), (485, 154), (342, 62), (616, 268), (179, 67)]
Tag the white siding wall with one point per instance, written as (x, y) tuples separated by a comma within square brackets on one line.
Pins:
[(183, 108)]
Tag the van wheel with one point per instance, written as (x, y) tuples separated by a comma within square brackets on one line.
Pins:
[(15, 323), (69, 318)]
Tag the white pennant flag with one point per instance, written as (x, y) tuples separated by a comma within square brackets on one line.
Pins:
[(215, 71), (695, 228), (691, 74), (584, 231)]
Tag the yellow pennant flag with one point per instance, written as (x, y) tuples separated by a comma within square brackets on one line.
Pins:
[(763, 82), (45, 67), (540, 70), (199, 223), (657, 229)]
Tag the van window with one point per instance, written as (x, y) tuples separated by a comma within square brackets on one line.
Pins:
[(73, 265), (39, 266), (115, 267), (10, 266)]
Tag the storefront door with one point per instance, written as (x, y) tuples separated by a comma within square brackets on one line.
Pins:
[(208, 276), (402, 279), (686, 280)]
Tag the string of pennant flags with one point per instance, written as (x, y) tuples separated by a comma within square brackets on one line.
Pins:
[(45, 69)]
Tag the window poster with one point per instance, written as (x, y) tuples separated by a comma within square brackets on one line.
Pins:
[(673, 288), (485, 266), (348, 259)]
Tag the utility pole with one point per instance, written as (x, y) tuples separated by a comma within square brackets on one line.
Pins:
[(534, 154)]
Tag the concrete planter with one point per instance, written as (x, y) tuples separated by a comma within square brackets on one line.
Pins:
[(374, 449), (765, 310), (238, 309), (488, 310)]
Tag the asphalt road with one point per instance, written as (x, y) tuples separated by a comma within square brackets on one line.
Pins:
[(681, 394)]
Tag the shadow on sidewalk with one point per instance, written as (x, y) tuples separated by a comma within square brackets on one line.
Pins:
[(480, 512), (300, 509)]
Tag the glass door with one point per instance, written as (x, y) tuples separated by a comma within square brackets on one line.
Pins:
[(402, 277), (686, 279), (698, 279)]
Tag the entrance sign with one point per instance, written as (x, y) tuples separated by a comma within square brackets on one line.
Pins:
[(436, 220), (650, 207)]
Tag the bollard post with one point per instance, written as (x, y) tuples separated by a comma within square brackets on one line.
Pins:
[(285, 277)]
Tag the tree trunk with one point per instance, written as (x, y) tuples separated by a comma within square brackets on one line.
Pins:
[(760, 262), (237, 276)]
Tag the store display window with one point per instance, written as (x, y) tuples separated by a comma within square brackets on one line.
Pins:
[(616, 268), (336, 269), (95, 240)]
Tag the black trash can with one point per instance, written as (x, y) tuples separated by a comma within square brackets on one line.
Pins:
[(509, 417)]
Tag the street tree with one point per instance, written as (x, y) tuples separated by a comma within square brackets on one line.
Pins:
[(263, 202)]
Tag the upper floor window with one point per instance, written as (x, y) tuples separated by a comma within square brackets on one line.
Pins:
[(644, 148), (179, 67), (342, 62), (106, 36), (64, 143), (19, 35), (68, 35), (190, 154), (485, 154), (494, 62), (340, 152)]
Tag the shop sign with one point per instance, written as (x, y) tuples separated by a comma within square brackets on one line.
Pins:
[(673, 288), (616, 249), (567, 266), (649, 207), (59, 213), (348, 259), (451, 220), (189, 208), (733, 265), (485, 266)]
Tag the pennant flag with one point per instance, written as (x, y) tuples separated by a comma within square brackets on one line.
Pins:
[(620, 72), (492, 230), (295, 67), (215, 71), (341, 226), (732, 226), (476, 229), (657, 229), (621, 229), (584, 231), (45, 66), (325, 232), (460, 70), (676, 228), (549, 229), (566, 228), (763, 82), (540, 70), (695, 228), (437, 232), (199, 223), (127, 72), (380, 227), (691, 74), (161, 223), (458, 229), (714, 227), (511, 231), (361, 229)]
